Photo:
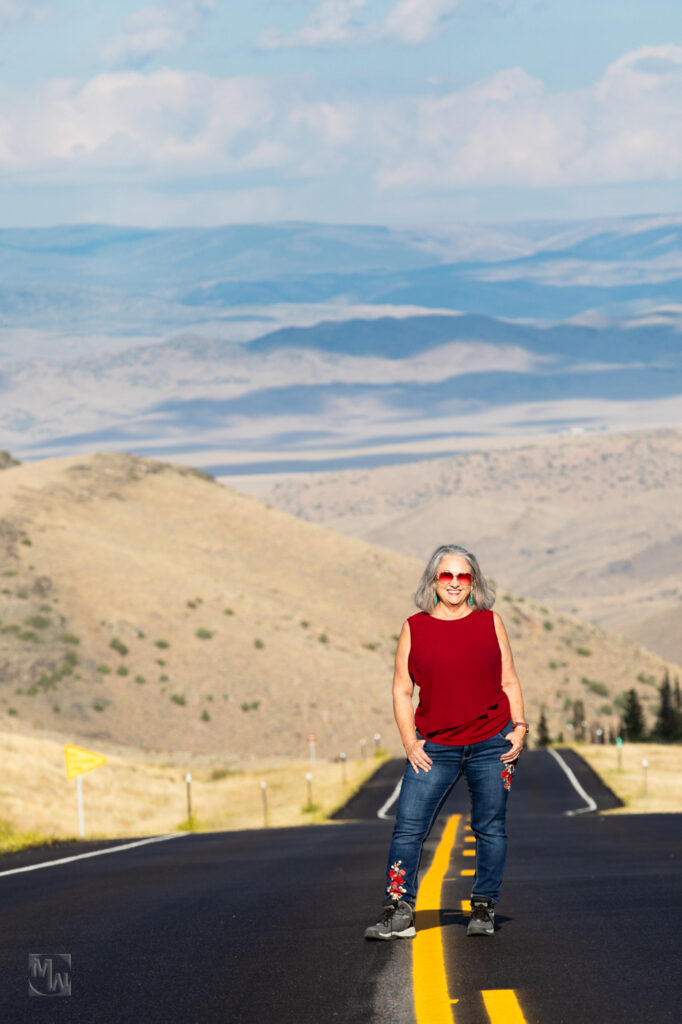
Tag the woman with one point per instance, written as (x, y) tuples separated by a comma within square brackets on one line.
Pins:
[(469, 722)]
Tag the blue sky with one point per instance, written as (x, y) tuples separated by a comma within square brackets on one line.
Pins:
[(383, 111)]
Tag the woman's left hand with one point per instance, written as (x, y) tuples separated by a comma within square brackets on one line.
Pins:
[(516, 737)]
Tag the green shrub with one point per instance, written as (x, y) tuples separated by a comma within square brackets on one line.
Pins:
[(140, 679), (553, 664), (371, 647), (258, 644), (228, 611), (223, 773), (250, 705), (56, 708), (38, 621), (647, 680), (12, 711), (605, 709), (584, 651), (122, 670), (163, 679), (32, 691), (178, 698), (205, 717), (204, 634), (104, 669), (191, 604), (22, 594), (98, 706), (323, 638), (548, 625), (11, 572), (304, 623), (27, 541), (71, 658), (69, 638), (161, 662), (162, 644), (118, 645), (30, 634), (595, 687)]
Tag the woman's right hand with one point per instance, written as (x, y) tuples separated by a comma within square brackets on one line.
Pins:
[(418, 757)]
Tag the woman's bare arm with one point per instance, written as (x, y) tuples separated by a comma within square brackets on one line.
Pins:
[(512, 687), (402, 705)]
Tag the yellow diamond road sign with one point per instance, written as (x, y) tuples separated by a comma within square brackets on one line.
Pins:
[(79, 760)]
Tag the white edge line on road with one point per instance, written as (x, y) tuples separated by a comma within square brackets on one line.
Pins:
[(591, 805), (94, 853), (381, 813)]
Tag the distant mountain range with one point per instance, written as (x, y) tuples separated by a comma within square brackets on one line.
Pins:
[(329, 342)]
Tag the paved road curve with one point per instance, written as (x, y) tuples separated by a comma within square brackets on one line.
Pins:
[(261, 927)]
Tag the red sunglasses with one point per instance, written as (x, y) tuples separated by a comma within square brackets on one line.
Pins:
[(448, 577)]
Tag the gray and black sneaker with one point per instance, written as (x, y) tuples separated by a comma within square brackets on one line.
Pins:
[(396, 922), (482, 920)]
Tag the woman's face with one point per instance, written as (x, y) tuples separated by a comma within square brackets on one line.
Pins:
[(456, 591)]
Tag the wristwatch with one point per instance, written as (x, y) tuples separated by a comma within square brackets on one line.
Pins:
[(524, 724)]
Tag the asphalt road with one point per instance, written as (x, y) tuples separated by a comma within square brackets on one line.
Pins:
[(265, 927)]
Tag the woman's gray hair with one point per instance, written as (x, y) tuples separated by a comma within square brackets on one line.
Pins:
[(482, 590)]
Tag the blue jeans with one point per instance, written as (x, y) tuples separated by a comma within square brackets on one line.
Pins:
[(421, 798)]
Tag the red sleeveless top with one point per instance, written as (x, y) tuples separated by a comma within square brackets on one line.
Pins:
[(457, 666)]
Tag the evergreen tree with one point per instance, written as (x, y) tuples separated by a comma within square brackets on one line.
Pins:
[(544, 739), (667, 725), (578, 719), (633, 718)]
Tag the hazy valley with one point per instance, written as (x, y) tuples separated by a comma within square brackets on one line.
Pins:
[(287, 347)]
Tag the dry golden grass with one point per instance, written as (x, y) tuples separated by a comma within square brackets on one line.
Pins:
[(663, 775), (134, 796), (236, 628)]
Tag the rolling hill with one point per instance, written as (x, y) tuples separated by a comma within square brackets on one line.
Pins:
[(588, 523), (147, 605)]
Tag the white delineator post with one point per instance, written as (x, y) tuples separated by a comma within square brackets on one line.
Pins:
[(188, 780)]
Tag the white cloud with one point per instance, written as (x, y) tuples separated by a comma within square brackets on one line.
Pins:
[(165, 122), (339, 23), (415, 21), (153, 31), (15, 10), (506, 131), (333, 23), (510, 131)]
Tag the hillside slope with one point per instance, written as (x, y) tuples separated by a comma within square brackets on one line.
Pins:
[(588, 524), (147, 605)]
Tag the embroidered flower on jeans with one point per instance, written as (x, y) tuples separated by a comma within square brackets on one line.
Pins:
[(396, 874), (509, 770)]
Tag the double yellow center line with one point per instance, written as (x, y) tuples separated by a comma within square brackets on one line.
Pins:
[(432, 999)]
